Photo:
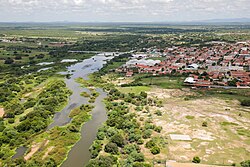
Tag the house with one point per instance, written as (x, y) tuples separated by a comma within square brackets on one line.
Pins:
[(193, 67), (189, 80), (129, 74)]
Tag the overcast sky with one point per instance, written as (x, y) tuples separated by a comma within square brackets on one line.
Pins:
[(121, 10)]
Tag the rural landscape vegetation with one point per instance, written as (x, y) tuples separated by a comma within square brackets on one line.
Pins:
[(125, 94)]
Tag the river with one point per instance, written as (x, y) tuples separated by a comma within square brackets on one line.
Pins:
[(79, 155), (82, 69)]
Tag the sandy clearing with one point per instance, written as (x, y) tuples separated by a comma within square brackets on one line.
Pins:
[(169, 93), (176, 164), (34, 149), (1, 112), (209, 141), (203, 135), (48, 151)]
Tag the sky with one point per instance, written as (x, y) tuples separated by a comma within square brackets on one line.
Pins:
[(121, 10)]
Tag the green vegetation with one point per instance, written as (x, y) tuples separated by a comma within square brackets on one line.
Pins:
[(85, 94), (158, 113), (122, 133), (196, 160), (190, 117), (228, 123), (61, 139), (245, 163), (31, 98), (243, 132), (231, 94), (245, 102), (165, 82), (136, 89), (23, 120), (204, 124)]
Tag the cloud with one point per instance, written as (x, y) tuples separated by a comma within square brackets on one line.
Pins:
[(121, 10)]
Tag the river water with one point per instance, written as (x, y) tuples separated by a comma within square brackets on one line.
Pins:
[(82, 69), (79, 155)]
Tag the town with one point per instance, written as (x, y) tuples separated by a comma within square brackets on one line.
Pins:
[(220, 65)]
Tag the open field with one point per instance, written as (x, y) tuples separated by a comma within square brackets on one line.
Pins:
[(135, 89), (227, 134), (176, 164), (163, 82)]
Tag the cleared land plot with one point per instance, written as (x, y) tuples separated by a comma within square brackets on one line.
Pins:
[(134, 89), (164, 82), (176, 164), (218, 127), (180, 137)]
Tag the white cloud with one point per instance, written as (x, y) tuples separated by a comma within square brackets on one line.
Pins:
[(121, 10)]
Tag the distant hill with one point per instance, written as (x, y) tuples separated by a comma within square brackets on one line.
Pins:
[(233, 20)]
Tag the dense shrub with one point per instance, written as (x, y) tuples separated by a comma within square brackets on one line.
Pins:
[(245, 163), (147, 134), (155, 150), (102, 161), (196, 160), (245, 102), (111, 148), (131, 148), (137, 157)]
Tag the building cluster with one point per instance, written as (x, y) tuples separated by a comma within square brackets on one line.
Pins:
[(221, 64)]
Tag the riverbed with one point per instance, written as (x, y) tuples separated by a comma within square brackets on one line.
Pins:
[(79, 155), (82, 69)]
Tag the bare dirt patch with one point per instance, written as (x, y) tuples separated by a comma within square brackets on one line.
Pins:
[(169, 93), (48, 151), (34, 149), (176, 164), (186, 117), (1, 112)]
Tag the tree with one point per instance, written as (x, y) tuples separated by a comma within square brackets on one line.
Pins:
[(245, 102), (158, 113), (143, 94), (233, 82), (138, 157), (131, 148), (100, 135), (155, 150), (147, 133), (102, 161), (158, 129), (18, 57), (118, 140), (9, 61), (204, 124), (196, 160), (50, 163), (73, 128), (150, 144), (111, 148), (40, 56)]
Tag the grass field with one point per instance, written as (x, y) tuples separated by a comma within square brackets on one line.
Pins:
[(156, 58), (135, 89), (164, 82)]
